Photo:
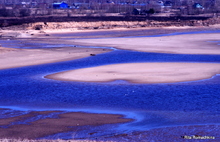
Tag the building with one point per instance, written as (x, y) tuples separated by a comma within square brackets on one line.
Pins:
[(61, 5)]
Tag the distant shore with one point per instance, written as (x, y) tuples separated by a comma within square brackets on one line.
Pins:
[(95, 22)]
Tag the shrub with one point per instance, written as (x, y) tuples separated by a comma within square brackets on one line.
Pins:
[(38, 27), (24, 12), (151, 11), (6, 12)]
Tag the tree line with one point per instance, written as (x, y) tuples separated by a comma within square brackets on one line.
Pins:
[(14, 8)]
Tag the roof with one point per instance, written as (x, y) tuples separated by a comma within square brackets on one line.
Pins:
[(59, 3)]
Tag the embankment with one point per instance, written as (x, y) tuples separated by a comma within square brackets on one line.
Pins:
[(104, 22)]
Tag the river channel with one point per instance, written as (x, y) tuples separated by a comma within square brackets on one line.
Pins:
[(151, 105)]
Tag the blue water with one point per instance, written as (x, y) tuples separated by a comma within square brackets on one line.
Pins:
[(153, 105)]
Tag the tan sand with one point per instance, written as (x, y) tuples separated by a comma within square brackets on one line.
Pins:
[(10, 58), (142, 72), (178, 44)]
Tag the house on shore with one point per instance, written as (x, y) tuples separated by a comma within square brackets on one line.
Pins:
[(61, 5)]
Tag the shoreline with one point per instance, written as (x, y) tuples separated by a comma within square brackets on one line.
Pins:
[(31, 128), (42, 56), (94, 22), (143, 31)]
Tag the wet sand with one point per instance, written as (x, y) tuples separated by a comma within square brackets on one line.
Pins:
[(39, 124), (207, 132)]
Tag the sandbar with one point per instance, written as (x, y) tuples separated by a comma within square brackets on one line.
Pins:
[(11, 57), (176, 44), (26, 126), (142, 72)]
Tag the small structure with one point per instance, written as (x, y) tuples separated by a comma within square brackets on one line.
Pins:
[(109, 1), (136, 11), (61, 5), (76, 6), (198, 6)]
